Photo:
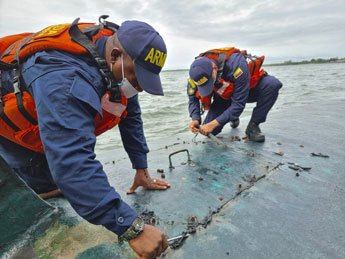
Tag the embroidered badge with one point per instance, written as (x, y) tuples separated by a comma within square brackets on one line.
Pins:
[(238, 73)]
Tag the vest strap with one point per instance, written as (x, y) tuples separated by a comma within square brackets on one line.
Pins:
[(2, 112), (19, 97), (221, 62), (79, 37)]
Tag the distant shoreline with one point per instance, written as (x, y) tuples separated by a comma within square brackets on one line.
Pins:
[(286, 63), (312, 61)]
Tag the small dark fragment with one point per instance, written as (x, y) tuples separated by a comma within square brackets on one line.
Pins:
[(192, 223), (207, 219), (166, 147), (163, 175), (297, 174), (227, 253), (149, 217), (278, 143), (160, 171), (235, 138), (201, 178), (252, 154), (220, 198), (267, 167), (296, 168), (320, 155), (239, 186), (301, 145), (279, 153), (113, 162)]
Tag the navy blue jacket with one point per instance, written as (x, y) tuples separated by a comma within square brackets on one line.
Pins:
[(67, 90), (240, 92)]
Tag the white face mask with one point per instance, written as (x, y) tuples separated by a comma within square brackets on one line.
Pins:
[(126, 87)]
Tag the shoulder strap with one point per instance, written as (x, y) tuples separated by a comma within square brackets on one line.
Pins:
[(2, 112), (221, 62), (82, 39)]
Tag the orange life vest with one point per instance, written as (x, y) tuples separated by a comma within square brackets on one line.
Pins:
[(225, 88), (23, 128)]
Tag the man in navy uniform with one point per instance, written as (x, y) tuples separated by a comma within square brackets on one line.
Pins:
[(223, 82), (67, 91)]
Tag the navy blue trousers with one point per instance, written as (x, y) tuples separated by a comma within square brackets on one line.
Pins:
[(264, 94), (31, 166)]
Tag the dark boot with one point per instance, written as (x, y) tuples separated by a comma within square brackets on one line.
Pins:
[(254, 133), (234, 124)]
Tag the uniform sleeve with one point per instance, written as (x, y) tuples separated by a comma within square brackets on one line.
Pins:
[(239, 75), (193, 102), (132, 134), (66, 103)]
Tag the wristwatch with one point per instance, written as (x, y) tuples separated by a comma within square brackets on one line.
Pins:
[(133, 231)]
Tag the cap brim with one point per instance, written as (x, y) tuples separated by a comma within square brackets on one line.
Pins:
[(147, 80), (206, 89)]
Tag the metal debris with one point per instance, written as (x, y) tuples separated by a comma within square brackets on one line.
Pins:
[(160, 171), (163, 176), (251, 154), (201, 178), (301, 145), (278, 143), (320, 155)]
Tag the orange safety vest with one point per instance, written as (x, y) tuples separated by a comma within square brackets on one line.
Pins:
[(224, 88), (13, 124)]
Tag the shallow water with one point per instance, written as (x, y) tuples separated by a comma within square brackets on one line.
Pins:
[(168, 115)]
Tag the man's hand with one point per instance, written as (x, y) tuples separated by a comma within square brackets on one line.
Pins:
[(194, 126), (209, 127), (150, 243), (142, 178)]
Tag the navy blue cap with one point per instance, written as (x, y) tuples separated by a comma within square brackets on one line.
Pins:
[(201, 73), (148, 51)]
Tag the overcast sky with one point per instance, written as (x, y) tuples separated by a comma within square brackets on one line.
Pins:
[(280, 30)]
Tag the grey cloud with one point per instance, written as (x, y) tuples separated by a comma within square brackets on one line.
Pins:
[(277, 28)]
